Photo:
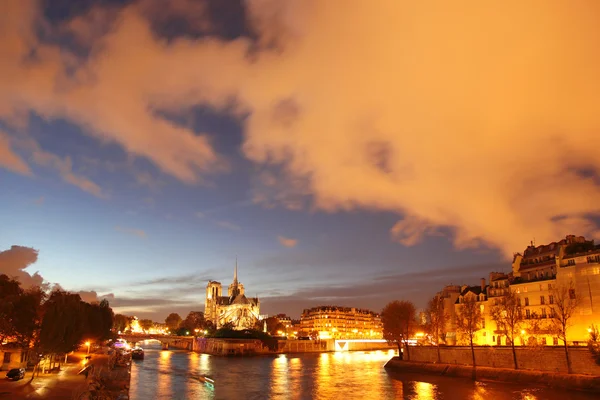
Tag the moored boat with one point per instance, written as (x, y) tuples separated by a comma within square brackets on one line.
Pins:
[(137, 353)]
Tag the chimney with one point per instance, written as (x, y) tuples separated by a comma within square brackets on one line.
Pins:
[(482, 284)]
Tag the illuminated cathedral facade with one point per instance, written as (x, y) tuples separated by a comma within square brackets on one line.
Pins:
[(235, 308)]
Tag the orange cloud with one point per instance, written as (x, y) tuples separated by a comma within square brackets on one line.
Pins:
[(9, 159), (476, 118), (287, 242)]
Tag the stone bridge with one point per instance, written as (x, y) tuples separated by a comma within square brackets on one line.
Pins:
[(178, 342)]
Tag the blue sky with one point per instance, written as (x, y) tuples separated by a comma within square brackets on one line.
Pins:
[(144, 145)]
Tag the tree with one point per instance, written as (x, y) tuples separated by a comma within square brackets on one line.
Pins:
[(399, 322), (193, 321), (594, 343), (173, 321), (273, 326), (121, 322), (63, 325), (98, 320), (565, 303), (508, 315), (468, 322), (28, 318), (146, 324), (10, 292), (437, 320)]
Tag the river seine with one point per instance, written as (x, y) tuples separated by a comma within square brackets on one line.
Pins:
[(168, 375)]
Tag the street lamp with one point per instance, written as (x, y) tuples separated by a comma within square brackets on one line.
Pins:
[(197, 330), (88, 346)]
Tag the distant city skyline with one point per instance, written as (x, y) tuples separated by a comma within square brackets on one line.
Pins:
[(347, 153)]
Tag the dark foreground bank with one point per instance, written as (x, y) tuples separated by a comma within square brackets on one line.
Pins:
[(586, 383)]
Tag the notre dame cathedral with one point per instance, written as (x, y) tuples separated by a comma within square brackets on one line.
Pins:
[(235, 308)]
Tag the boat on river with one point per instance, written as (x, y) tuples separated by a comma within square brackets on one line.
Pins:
[(137, 353), (205, 379)]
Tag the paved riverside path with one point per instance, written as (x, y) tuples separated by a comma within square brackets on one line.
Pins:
[(56, 385)]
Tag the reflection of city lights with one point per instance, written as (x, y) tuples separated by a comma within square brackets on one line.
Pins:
[(425, 390)]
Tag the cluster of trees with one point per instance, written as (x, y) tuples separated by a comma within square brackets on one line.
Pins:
[(184, 327), (400, 322), (52, 324)]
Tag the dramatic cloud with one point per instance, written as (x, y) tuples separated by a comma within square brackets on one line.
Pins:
[(477, 119), (103, 95), (131, 231), (15, 260), (287, 242)]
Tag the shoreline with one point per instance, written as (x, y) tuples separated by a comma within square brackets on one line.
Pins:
[(584, 383)]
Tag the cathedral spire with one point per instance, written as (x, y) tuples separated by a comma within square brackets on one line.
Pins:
[(235, 278)]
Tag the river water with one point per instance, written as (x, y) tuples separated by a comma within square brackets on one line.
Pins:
[(167, 374)]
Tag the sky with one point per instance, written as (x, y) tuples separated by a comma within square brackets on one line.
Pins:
[(346, 152)]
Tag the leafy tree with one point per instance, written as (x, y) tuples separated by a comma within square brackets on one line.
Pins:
[(594, 343), (565, 304), (508, 315), (273, 325), (64, 323), (121, 322), (468, 322), (183, 331), (437, 320), (28, 318), (194, 320), (98, 320), (399, 323), (146, 324), (10, 292), (173, 321)]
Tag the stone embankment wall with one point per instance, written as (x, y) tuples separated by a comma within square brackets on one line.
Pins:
[(553, 379), (551, 359), (182, 344)]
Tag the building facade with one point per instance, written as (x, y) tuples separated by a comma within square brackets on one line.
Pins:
[(539, 274), (332, 322), (235, 309)]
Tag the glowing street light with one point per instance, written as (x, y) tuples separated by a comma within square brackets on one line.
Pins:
[(88, 346)]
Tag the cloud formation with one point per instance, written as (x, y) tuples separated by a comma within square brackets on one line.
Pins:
[(15, 260), (483, 123), (287, 242), (9, 159)]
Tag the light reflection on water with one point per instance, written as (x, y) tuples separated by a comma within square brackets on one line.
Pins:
[(348, 375)]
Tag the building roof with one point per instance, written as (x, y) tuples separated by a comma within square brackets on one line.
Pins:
[(239, 299)]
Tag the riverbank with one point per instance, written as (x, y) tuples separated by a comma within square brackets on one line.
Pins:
[(586, 383), (68, 381)]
